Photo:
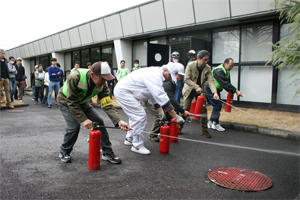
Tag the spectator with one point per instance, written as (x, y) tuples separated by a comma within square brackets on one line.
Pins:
[(20, 77), (46, 86), (32, 80), (179, 84), (76, 66), (4, 81), (54, 74), (39, 78), (111, 83), (89, 65), (61, 80), (191, 55), (122, 71), (12, 77), (136, 65)]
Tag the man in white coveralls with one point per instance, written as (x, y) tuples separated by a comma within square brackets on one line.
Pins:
[(145, 84)]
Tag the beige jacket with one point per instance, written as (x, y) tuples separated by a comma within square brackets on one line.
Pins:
[(191, 77)]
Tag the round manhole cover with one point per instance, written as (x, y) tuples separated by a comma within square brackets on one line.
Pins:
[(240, 179), (15, 111)]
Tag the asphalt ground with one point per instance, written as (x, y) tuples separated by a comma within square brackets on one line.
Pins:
[(31, 169)]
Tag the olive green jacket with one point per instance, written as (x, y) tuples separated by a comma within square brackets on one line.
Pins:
[(78, 110), (191, 77)]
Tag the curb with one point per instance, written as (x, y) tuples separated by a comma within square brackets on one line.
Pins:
[(290, 135)]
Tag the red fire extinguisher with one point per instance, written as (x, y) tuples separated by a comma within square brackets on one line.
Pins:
[(199, 107), (94, 149), (174, 131), (164, 145), (229, 102), (193, 105)]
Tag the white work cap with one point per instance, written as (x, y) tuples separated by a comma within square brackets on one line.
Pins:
[(174, 69)]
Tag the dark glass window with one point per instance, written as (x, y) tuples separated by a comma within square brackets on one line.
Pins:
[(76, 57), (85, 58), (107, 54), (95, 54)]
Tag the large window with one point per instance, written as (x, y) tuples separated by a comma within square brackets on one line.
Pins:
[(68, 61), (252, 38), (95, 54), (140, 51), (226, 44), (45, 62), (256, 83), (76, 57), (85, 58), (107, 54), (284, 95)]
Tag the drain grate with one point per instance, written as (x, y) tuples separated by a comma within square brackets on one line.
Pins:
[(240, 179)]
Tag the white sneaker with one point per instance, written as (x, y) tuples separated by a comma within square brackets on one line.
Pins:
[(219, 128), (127, 142), (32, 99), (213, 125), (209, 124), (140, 150)]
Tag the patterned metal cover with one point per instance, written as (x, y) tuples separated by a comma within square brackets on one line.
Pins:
[(240, 179)]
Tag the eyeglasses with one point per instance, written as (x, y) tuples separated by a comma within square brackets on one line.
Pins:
[(206, 60)]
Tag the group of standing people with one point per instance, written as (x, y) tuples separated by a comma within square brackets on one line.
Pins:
[(12, 80)]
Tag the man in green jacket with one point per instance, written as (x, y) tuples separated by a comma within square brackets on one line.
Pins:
[(73, 97), (196, 74)]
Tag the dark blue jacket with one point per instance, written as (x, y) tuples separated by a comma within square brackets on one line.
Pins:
[(111, 81), (53, 76)]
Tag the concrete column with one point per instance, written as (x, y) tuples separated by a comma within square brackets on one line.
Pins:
[(123, 49), (28, 70), (60, 59)]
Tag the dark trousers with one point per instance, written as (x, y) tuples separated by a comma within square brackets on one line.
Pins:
[(73, 127), (39, 92), (187, 105), (217, 106), (111, 90), (45, 99)]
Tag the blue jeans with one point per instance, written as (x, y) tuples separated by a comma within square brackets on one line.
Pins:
[(33, 91), (45, 99), (12, 88), (53, 86), (217, 106)]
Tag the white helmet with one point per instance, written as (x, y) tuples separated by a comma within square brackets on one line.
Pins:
[(180, 69), (191, 53)]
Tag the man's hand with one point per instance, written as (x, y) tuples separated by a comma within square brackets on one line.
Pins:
[(124, 126), (58, 72), (186, 113), (161, 115), (199, 90), (53, 74), (88, 124), (111, 84), (179, 119), (216, 96), (238, 93)]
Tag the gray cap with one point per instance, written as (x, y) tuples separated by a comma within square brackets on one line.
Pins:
[(2, 50)]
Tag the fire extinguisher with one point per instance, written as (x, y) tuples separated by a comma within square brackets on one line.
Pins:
[(199, 107), (229, 102), (94, 148), (174, 131), (193, 105), (164, 145)]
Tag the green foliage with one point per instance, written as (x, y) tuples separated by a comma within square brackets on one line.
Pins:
[(286, 52)]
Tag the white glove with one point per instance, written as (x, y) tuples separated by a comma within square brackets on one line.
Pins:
[(179, 119), (161, 115)]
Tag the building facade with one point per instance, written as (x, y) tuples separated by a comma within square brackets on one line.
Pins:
[(151, 31)]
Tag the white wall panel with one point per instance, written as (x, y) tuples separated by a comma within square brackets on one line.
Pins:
[(65, 40), (22, 53), (43, 46), (18, 52), (98, 30), (12, 53), (153, 17), (7, 54), (49, 44), (85, 34), (74, 37), (203, 10), (26, 49), (56, 42), (243, 7), (179, 12), (31, 49), (131, 21), (113, 26), (37, 49)]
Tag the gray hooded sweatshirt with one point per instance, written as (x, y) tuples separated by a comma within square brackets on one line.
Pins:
[(12, 71)]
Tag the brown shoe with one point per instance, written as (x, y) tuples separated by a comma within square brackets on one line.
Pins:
[(3, 105), (10, 105), (206, 134)]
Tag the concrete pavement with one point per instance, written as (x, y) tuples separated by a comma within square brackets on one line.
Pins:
[(31, 169)]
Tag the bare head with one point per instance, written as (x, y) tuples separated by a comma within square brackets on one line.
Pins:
[(2, 53), (203, 58), (228, 64)]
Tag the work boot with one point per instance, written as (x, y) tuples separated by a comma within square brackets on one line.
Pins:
[(140, 150), (111, 158), (154, 138), (206, 134), (3, 104), (65, 157), (10, 105)]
